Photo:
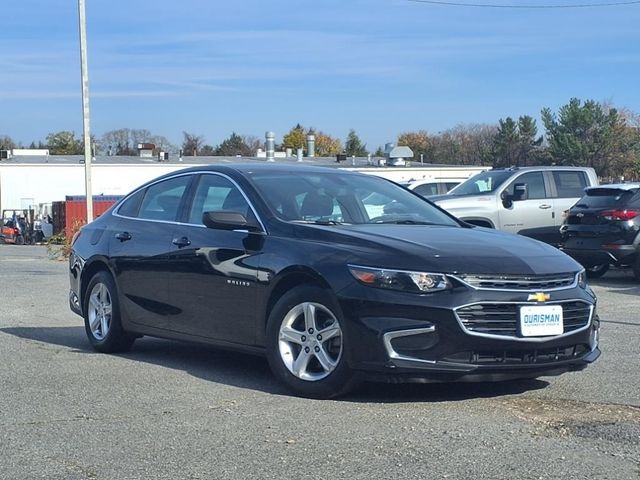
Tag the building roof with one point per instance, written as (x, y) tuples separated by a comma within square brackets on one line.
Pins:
[(359, 162)]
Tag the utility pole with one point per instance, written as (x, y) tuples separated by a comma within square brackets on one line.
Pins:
[(85, 109)]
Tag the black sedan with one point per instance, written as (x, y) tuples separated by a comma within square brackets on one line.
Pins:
[(336, 277)]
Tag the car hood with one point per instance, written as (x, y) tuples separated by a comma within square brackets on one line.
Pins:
[(450, 249)]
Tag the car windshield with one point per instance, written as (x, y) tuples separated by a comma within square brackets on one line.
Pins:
[(482, 184), (605, 198), (334, 198)]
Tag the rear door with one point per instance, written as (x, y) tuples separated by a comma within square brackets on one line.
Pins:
[(140, 248), (568, 186), (214, 272)]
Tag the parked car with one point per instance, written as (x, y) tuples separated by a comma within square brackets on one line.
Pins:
[(304, 266), (602, 229), (529, 201), (429, 188)]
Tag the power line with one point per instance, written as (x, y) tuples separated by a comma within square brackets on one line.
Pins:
[(537, 7)]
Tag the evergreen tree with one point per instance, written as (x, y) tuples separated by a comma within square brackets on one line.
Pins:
[(354, 146)]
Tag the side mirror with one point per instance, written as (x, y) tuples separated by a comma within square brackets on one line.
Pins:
[(520, 191), (228, 221), (507, 200)]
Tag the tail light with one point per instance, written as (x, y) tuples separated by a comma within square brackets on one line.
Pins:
[(620, 214)]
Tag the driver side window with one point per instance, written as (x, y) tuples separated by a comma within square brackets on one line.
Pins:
[(535, 185)]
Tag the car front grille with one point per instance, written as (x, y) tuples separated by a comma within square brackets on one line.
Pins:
[(501, 319), (519, 282), (538, 356)]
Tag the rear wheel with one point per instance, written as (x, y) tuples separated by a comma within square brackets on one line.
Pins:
[(636, 267), (102, 316), (306, 343), (597, 271), (19, 240)]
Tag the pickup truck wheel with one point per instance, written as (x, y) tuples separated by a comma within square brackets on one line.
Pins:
[(597, 271), (636, 268)]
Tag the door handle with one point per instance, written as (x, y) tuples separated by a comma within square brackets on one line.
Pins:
[(544, 206), (181, 242), (123, 236)]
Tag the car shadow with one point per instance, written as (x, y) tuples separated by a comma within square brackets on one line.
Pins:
[(252, 372), (618, 281)]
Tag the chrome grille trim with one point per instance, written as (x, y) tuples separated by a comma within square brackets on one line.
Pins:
[(520, 283), (510, 324)]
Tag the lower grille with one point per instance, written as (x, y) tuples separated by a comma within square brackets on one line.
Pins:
[(501, 319), (520, 357)]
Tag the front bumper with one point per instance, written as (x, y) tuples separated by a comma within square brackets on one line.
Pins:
[(408, 337)]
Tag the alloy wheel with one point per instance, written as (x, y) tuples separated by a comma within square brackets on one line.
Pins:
[(310, 341), (99, 311)]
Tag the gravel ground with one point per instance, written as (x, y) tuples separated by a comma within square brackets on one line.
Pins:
[(168, 410)]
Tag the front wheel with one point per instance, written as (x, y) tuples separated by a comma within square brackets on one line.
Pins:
[(307, 343), (597, 271), (102, 316)]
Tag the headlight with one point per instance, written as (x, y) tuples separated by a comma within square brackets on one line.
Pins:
[(582, 279), (418, 282)]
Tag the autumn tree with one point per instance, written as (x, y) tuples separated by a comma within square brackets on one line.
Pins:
[(326, 145), (417, 141), (295, 138), (353, 146), (464, 144), (191, 144)]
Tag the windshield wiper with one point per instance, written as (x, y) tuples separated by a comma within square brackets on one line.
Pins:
[(406, 221), (320, 222)]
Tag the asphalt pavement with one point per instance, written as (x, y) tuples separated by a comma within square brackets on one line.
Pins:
[(169, 410)]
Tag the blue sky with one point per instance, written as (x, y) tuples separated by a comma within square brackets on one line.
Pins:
[(378, 66)]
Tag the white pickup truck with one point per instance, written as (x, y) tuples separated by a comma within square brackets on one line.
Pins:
[(527, 200)]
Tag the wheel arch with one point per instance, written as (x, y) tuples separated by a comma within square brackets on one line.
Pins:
[(288, 279), (479, 222), (90, 269)]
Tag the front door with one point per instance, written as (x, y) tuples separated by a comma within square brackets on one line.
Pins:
[(532, 216), (213, 284)]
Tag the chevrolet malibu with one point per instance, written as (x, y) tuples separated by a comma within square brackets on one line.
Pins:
[(336, 277)]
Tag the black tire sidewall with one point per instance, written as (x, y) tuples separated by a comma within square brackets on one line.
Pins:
[(598, 273), (116, 339), (337, 382)]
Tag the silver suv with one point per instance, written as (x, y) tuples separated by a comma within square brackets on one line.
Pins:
[(530, 201)]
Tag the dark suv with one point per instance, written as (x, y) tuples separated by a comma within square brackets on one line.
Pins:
[(602, 229)]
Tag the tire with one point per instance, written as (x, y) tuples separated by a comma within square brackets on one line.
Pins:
[(309, 364), (102, 316), (636, 267), (19, 240), (597, 271)]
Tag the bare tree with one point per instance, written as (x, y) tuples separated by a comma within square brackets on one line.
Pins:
[(192, 144)]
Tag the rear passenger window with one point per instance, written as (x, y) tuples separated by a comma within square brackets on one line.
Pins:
[(570, 183), (131, 205), (162, 200), (426, 189)]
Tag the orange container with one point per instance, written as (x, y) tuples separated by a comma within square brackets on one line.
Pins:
[(75, 209)]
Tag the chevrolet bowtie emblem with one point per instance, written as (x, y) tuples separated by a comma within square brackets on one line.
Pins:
[(538, 297)]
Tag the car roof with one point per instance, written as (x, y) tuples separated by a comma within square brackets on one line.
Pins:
[(615, 186)]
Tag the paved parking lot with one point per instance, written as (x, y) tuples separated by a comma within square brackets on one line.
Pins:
[(168, 410)]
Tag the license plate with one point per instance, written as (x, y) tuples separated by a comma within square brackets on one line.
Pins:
[(541, 320)]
